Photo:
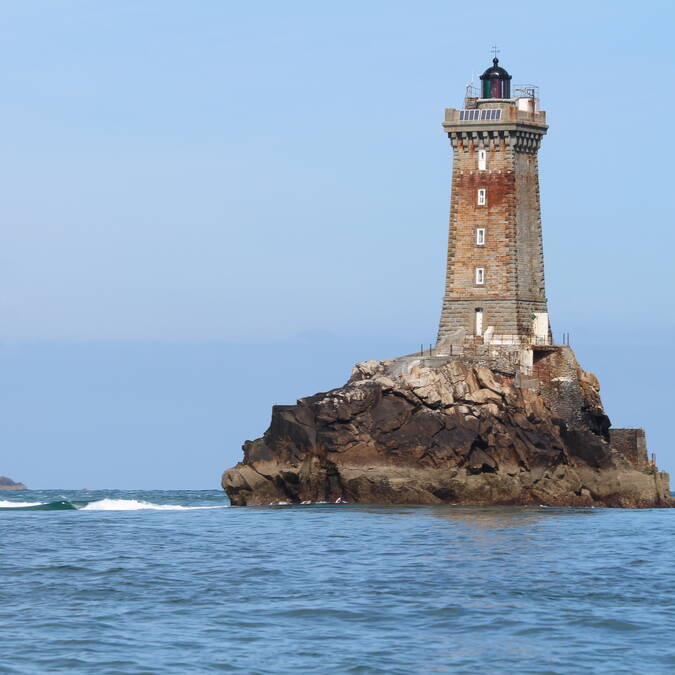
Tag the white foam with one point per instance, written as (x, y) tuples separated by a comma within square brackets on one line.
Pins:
[(135, 505), (18, 505)]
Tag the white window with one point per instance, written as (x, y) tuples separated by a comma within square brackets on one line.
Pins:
[(482, 197), (480, 276), (482, 160), (480, 236)]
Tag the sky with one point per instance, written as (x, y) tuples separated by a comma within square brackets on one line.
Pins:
[(212, 207)]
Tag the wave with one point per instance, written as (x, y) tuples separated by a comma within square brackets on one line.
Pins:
[(37, 506), (101, 505), (136, 505), (18, 505)]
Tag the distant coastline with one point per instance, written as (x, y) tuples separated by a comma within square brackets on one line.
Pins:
[(9, 484)]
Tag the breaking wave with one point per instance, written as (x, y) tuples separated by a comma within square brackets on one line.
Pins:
[(18, 505), (61, 505), (136, 505)]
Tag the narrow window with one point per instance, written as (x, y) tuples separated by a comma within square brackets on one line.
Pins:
[(482, 160), (480, 236), (482, 197), (480, 276), (479, 320)]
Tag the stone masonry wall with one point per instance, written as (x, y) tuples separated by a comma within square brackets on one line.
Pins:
[(632, 444), (512, 255), (564, 386), (497, 255), (509, 317), (529, 249)]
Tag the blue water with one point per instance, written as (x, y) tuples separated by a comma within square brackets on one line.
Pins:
[(330, 588)]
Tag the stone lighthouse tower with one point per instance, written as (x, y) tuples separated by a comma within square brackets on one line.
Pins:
[(494, 290)]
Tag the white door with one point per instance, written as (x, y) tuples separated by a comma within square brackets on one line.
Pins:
[(540, 327), (479, 321)]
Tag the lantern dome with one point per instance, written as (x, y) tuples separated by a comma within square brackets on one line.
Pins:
[(496, 82)]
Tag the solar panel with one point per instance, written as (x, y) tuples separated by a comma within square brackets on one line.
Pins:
[(480, 115)]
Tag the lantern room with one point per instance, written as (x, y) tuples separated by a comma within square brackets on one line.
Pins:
[(495, 82)]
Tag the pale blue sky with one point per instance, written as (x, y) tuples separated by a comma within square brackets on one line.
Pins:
[(211, 207)]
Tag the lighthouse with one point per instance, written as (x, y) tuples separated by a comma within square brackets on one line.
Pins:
[(494, 286), (496, 413)]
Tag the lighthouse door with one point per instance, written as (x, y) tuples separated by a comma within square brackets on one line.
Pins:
[(540, 328), (479, 320)]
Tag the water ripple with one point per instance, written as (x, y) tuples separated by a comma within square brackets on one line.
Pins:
[(150, 584)]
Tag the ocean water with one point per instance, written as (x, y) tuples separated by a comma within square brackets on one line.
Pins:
[(179, 582)]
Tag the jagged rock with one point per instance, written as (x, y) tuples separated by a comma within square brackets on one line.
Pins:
[(400, 432), (9, 484)]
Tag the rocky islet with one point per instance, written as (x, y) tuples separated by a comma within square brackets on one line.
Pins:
[(9, 484), (442, 430)]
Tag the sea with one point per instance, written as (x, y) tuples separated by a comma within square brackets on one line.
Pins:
[(134, 582)]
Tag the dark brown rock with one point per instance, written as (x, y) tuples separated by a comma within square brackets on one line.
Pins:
[(453, 433)]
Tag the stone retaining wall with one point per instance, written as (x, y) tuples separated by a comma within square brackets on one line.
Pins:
[(632, 444)]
